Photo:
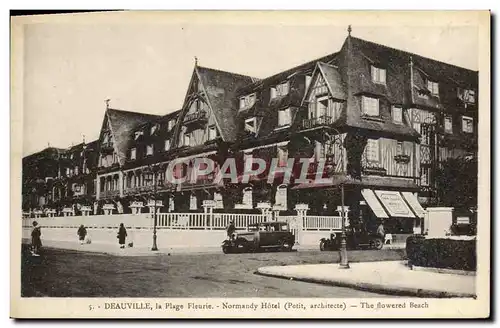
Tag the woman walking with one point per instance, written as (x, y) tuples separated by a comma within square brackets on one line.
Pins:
[(82, 233), (36, 241), (122, 235)]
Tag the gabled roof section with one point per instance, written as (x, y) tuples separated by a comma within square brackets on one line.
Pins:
[(121, 123), (333, 80), (221, 88)]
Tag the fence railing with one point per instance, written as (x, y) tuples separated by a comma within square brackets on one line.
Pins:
[(186, 221), (315, 222)]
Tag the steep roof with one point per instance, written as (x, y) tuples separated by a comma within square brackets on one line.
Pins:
[(122, 123), (221, 88)]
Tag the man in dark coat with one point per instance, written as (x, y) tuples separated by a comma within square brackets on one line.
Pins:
[(36, 241), (122, 235), (230, 229), (82, 233)]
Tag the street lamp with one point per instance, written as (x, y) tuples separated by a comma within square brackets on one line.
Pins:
[(151, 177), (344, 263)]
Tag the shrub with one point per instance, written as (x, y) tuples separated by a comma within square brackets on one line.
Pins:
[(441, 253)]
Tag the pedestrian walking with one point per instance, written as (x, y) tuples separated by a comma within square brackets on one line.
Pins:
[(82, 233), (380, 229), (36, 240), (231, 228), (122, 235)]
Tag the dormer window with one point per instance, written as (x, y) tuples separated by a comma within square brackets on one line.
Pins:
[(133, 153), (149, 150), (397, 114), (370, 106), (212, 132), (251, 125), (467, 95), (247, 101), (433, 87), (280, 90), (171, 124), (467, 124), (284, 117), (138, 134), (378, 75)]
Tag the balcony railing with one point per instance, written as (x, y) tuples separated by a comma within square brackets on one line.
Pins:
[(195, 117), (316, 121), (109, 193), (107, 146)]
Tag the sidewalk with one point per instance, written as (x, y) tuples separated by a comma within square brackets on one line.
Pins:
[(387, 277), (113, 249)]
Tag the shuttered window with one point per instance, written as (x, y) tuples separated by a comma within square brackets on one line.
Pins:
[(373, 150)]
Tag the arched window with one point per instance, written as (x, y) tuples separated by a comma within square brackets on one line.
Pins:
[(281, 196)]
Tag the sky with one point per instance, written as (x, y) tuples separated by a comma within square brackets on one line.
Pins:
[(145, 66)]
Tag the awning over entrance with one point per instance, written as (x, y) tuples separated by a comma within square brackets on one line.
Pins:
[(374, 203), (414, 204), (394, 203)]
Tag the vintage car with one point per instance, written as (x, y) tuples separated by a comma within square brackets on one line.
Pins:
[(354, 240), (260, 236)]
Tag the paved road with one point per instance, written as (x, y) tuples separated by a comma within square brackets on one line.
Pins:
[(65, 273)]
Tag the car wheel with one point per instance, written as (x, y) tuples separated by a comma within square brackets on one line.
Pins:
[(225, 250), (285, 246), (378, 243), (322, 246)]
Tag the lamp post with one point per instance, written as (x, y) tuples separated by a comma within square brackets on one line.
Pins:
[(344, 263), (152, 174)]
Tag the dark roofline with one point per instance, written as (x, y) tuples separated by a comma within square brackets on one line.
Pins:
[(232, 73), (414, 55), (159, 119), (290, 70), (46, 149), (134, 113)]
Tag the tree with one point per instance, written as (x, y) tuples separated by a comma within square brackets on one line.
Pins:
[(456, 182)]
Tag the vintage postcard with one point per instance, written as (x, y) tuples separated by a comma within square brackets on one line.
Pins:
[(216, 164)]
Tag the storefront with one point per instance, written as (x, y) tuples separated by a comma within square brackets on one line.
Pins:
[(400, 211)]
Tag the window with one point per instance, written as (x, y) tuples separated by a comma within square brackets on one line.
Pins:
[(251, 125), (467, 95), (133, 153), (397, 114), (448, 124), (167, 144), (433, 87), (212, 132), (193, 203), (187, 139), (219, 203), (308, 81), (324, 150), (370, 106), (76, 170), (105, 138), (425, 176), (115, 158), (372, 150), (282, 156), (67, 171), (171, 124), (149, 150), (247, 101), (378, 75), (280, 90), (467, 124), (247, 196), (399, 148), (153, 129), (284, 117), (281, 196)]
